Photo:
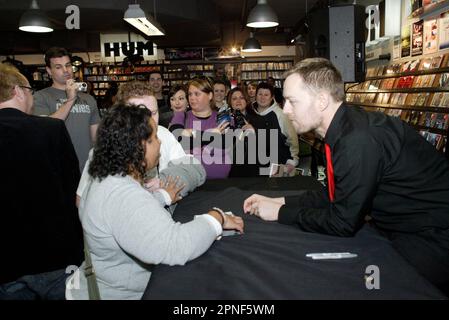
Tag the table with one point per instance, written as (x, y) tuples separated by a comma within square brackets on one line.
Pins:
[(268, 261)]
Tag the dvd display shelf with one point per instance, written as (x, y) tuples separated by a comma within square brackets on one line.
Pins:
[(102, 75), (416, 91), (37, 76), (260, 71), (180, 74)]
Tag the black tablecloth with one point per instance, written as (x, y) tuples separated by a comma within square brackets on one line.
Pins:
[(269, 262)]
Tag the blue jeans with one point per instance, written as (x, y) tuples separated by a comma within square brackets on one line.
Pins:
[(42, 286)]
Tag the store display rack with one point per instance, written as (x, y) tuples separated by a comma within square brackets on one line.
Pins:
[(416, 91), (260, 71)]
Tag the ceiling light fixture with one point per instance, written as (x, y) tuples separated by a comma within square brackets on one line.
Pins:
[(35, 20), (251, 44), (137, 18), (299, 40), (77, 61), (262, 16)]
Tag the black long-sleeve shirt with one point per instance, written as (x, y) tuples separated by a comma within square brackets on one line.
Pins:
[(40, 230), (383, 168)]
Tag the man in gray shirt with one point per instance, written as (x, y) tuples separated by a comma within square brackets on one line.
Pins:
[(63, 101)]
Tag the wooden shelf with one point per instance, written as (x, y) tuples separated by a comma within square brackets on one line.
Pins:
[(182, 71), (426, 119), (401, 107), (411, 73), (402, 90)]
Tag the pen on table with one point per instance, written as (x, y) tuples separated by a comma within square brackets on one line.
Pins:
[(331, 255)]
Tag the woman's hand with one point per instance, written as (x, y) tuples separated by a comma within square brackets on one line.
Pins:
[(248, 126), (290, 168), (187, 132), (233, 222), (221, 127), (173, 189), (152, 184)]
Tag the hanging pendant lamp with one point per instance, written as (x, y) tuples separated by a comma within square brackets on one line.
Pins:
[(251, 44), (35, 20), (262, 16), (135, 16)]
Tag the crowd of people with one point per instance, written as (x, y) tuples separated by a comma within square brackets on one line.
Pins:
[(115, 181), (203, 109)]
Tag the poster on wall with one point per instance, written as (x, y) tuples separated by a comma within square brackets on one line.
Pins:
[(417, 38), (405, 41), (406, 10), (430, 36), (183, 54), (443, 30), (396, 47), (416, 5)]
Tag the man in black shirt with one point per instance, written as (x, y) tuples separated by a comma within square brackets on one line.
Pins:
[(380, 167), (277, 92), (41, 234)]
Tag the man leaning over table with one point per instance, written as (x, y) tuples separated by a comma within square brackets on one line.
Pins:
[(377, 166)]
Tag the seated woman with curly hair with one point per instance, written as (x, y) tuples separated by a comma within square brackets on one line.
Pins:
[(126, 228)]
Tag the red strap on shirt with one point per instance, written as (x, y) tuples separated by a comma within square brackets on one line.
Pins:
[(330, 173)]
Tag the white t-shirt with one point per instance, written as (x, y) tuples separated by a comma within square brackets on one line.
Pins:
[(170, 150)]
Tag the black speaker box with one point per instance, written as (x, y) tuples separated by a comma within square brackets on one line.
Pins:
[(338, 34), (318, 35)]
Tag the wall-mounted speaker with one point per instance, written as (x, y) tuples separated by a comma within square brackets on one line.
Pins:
[(338, 34)]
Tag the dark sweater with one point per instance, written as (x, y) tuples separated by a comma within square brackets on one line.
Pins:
[(39, 174), (383, 168)]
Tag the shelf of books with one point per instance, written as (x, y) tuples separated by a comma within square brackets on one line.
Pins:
[(102, 75), (37, 76), (417, 91), (176, 74), (260, 71)]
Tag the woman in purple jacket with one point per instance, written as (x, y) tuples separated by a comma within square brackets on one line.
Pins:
[(201, 135)]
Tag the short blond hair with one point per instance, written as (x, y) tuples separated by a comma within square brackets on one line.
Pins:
[(133, 89), (320, 74), (9, 78)]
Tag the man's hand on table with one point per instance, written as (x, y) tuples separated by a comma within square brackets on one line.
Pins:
[(264, 207)]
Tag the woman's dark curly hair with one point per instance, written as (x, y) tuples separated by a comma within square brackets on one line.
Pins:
[(119, 148)]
